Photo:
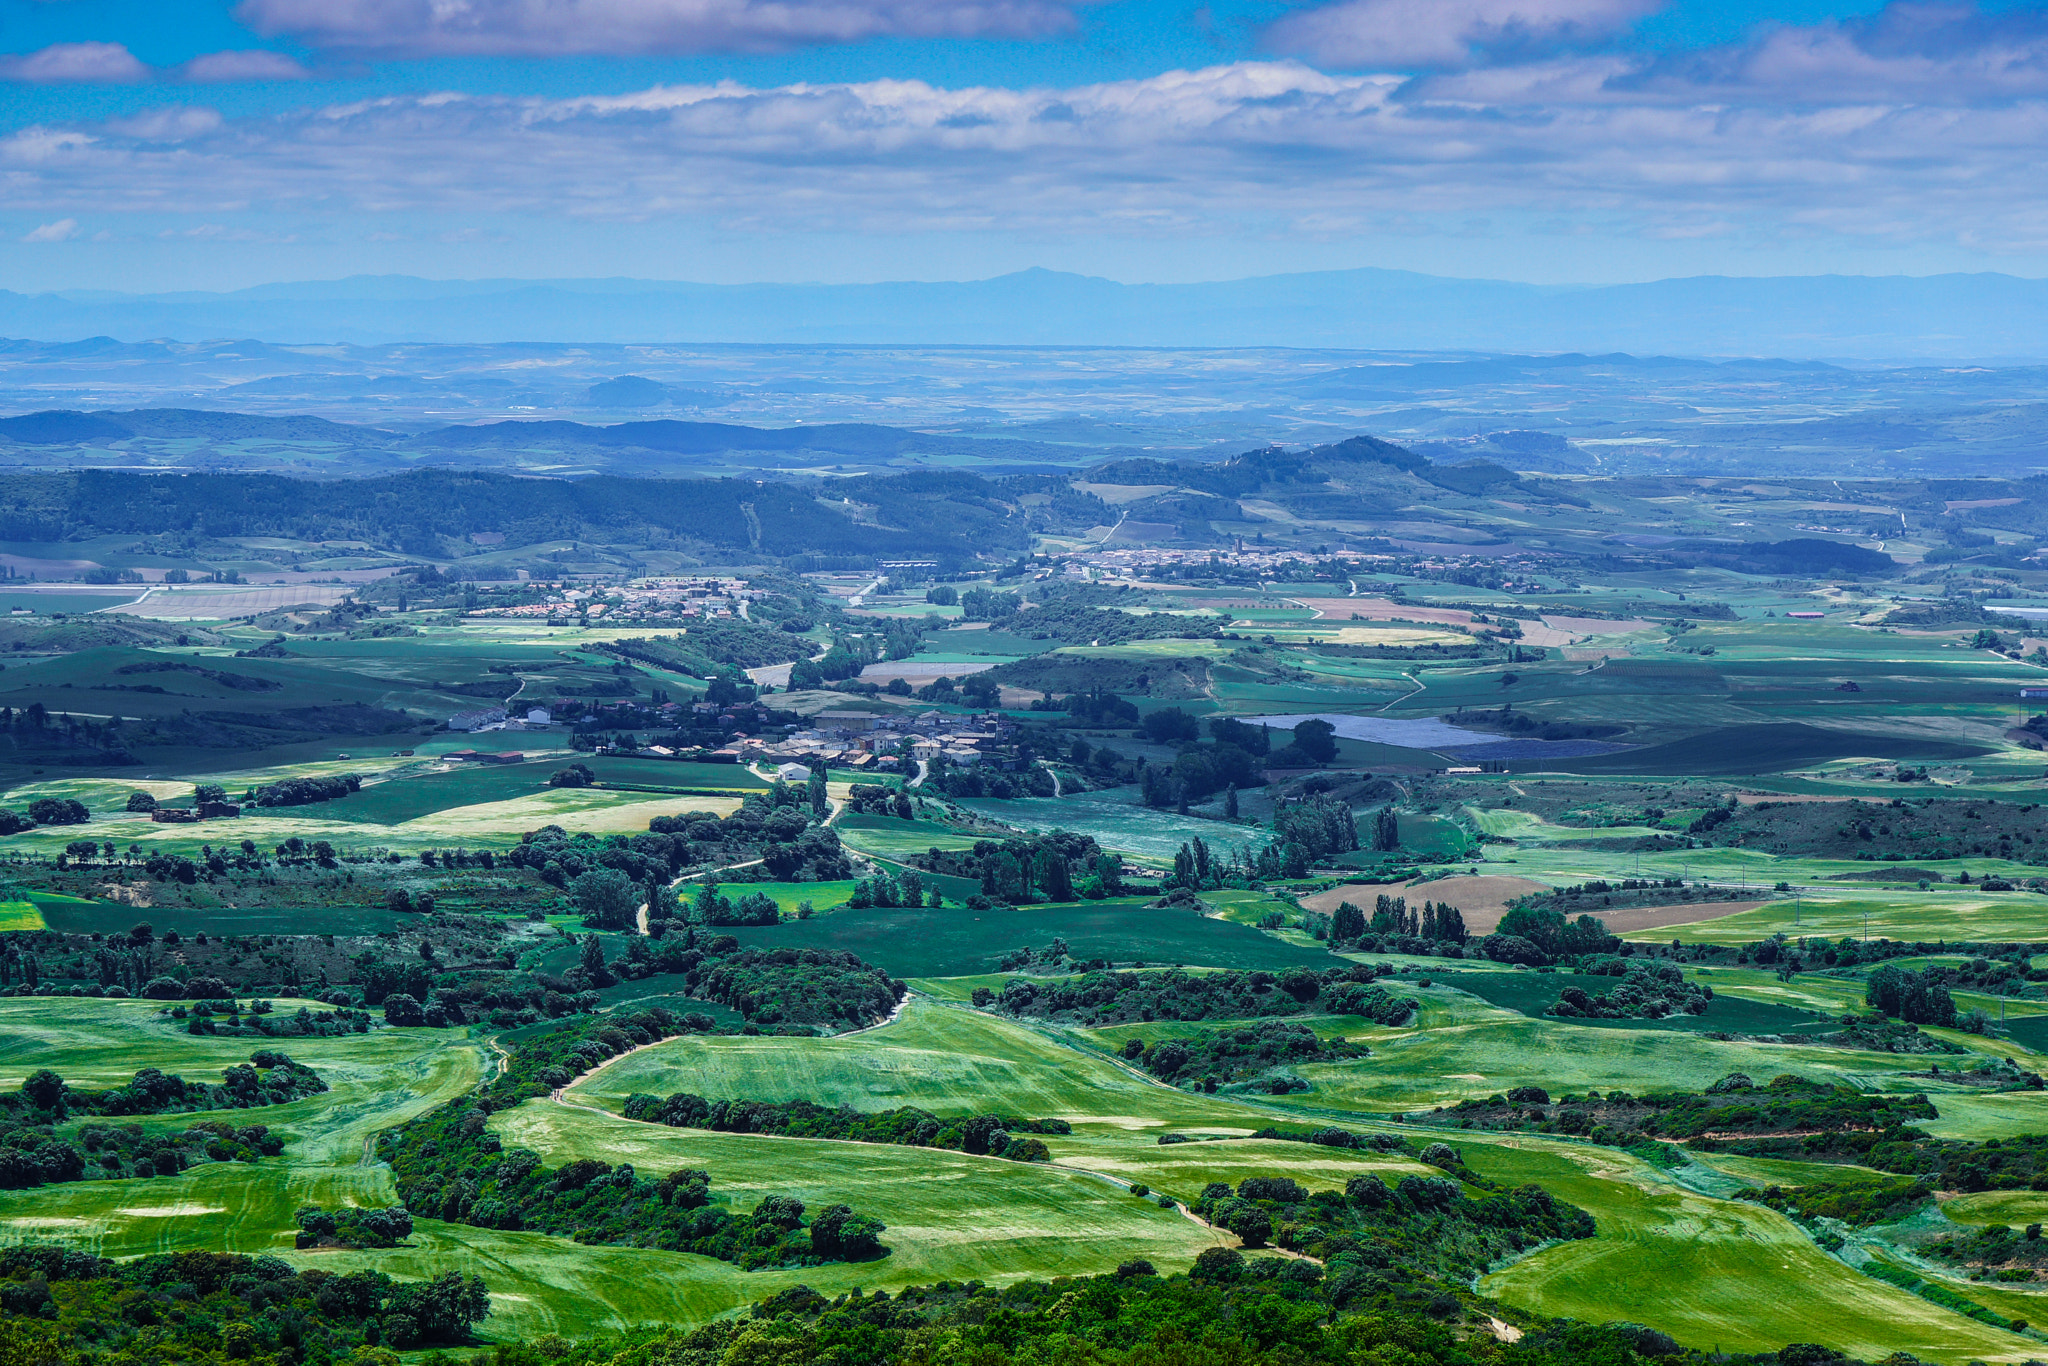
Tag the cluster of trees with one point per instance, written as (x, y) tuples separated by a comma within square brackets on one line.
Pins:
[(1222, 1058), (1820, 1121), (1060, 866), (610, 877), (70, 1307), (1920, 998), (1121, 997), (1197, 867), (903, 889), (1538, 936), (259, 1021), (712, 907), (33, 735), (352, 1226), (1646, 991), (1322, 825), (1436, 922), (304, 791), (2018, 1253), (974, 690), (268, 1078), (33, 1154), (45, 811), (1228, 1307), (1079, 625), (981, 780), (1453, 1226), (906, 1126), (1196, 774), (798, 987), (877, 799)]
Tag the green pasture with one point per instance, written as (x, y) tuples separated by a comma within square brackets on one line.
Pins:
[(1771, 747), (823, 896), (375, 1081), (21, 915), (1532, 993), (1181, 1170), (1977, 1115), (482, 823), (940, 1058), (70, 915), (890, 837), (1471, 1050), (412, 797), (950, 1216), (1714, 1274), (955, 941), (1116, 823), (1942, 912), (2016, 1209)]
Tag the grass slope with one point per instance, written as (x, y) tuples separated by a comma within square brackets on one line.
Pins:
[(1714, 1274)]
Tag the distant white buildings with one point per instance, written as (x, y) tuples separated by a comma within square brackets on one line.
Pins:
[(478, 719)]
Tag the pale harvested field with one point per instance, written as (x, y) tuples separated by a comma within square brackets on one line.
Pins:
[(1658, 917), (167, 604), (1596, 626), (1484, 900)]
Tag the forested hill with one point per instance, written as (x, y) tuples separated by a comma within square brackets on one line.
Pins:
[(911, 515)]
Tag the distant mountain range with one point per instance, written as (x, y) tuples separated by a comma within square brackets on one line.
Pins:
[(1963, 317), (659, 447)]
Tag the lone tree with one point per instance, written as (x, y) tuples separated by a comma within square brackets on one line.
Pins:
[(820, 806), (608, 899), (1386, 830), (1316, 739)]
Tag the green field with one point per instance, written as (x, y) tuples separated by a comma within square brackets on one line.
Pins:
[(889, 837), (1713, 1273), (956, 941), (1531, 993), (941, 1058), (397, 800), (1117, 824)]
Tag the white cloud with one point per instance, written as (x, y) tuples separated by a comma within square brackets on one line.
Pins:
[(174, 123), (549, 28), (245, 64), (75, 63), (113, 64), (1718, 149), (63, 230), (1406, 34)]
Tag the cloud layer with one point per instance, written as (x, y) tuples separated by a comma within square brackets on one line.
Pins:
[(1926, 124), (1408, 34), (549, 28), (113, 64)]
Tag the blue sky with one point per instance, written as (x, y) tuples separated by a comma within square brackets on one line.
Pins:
[(195, 144)]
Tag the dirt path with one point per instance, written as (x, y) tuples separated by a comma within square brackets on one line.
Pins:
[(1630, 920), (1419, 687)]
